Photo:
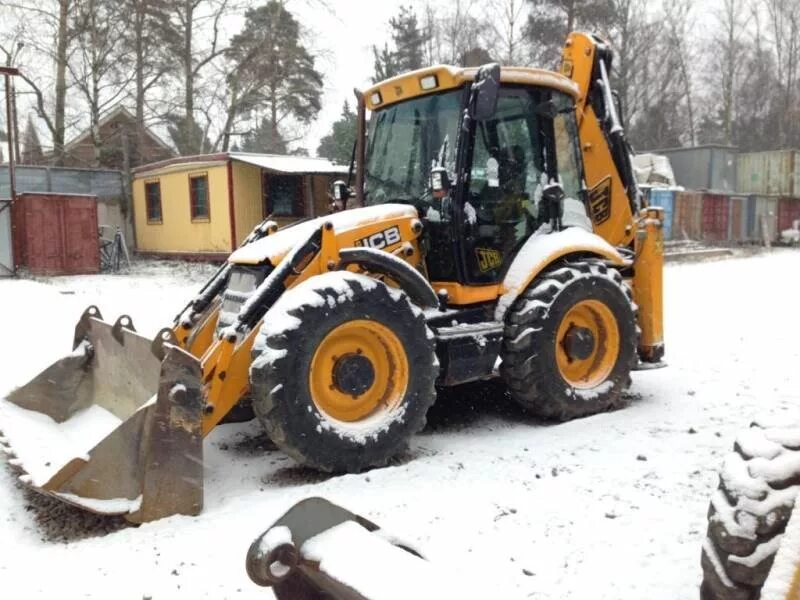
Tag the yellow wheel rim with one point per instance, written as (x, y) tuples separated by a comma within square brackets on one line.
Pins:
[(359, 369), (587, 344)]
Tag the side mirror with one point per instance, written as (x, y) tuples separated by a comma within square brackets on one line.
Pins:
[(485, 90), (551, 206), (440, 182), (340, 194)]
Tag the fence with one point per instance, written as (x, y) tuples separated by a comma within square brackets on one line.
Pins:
[(105, 184)]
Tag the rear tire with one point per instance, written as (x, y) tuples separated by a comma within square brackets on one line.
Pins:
[(543, 375), (748, 512), (344, 372)]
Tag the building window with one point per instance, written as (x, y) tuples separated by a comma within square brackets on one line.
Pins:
[(152, 197), (283, 195), (198, 193)]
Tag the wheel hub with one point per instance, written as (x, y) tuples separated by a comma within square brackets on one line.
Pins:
[(353, 374), (579, 343)]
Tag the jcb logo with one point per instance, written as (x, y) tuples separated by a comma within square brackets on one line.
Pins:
[(382, 239), (488, 259), (600, 201)]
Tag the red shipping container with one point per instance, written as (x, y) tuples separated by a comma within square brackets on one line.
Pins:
[(687, 216), (56, 234), (715, 217), (788, 212)]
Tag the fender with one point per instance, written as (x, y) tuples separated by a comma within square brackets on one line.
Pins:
[(541, 250), (378, 261)]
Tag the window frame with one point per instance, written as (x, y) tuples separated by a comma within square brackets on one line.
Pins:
[(147, 203), (298, 202), (195, 218)]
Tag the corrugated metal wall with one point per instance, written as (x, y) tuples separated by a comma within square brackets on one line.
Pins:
[(765, 217), (737, 222), (106, 185), (788, 212), (716, 209), (768, 173), (56, 234), (688, 214), (704, 167)]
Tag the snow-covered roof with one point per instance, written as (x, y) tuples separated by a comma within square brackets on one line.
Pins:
[(288, 163)]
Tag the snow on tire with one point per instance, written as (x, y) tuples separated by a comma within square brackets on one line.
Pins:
[(542, 375), (747, 516), (343, 372)]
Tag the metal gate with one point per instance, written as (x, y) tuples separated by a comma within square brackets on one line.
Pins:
[(6, 251)]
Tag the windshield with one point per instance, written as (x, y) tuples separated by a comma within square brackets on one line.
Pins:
[(404, 140)]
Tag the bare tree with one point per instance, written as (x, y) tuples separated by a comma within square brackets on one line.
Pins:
[(45, 32), (677, 17), (784, 17), (144, 40), (196, 40), (100, 72), (507, 20), (728, 61)]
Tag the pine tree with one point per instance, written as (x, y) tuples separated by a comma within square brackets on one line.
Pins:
[(550, 21), (338, 144), (407, 39), (384, 65), (273, 70), (408, 43), (264, 139), (31, 147)]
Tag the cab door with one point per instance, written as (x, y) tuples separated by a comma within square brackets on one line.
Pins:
[(505, 173)]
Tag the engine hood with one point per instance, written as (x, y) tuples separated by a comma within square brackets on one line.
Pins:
[(275, 246)]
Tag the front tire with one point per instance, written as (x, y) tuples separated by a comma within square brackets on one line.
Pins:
[(344, 373), (570, 342)]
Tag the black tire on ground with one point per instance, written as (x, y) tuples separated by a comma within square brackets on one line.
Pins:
[(529, 352), (748, 512), (282, 397)]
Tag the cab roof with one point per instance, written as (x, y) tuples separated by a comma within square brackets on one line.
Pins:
[(410, 85)]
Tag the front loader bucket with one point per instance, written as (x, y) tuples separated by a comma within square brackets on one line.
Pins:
[(115, 427)]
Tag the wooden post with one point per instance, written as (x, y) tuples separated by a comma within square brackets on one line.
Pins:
[(8, 73)]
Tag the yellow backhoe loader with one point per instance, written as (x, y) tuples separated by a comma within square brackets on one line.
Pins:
[(493, 229)]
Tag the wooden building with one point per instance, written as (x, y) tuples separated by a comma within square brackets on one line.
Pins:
[(114, 130), (204, 206)]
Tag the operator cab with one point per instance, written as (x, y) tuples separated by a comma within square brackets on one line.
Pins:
[(493, 142)]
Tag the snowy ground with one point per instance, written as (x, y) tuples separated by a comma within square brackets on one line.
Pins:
[(611, 506)]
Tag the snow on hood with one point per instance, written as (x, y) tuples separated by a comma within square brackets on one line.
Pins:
[(541, 249), (282, 241)]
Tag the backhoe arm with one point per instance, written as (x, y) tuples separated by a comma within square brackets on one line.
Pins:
[(614, 200)]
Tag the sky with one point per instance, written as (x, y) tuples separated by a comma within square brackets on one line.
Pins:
[(344, 39)]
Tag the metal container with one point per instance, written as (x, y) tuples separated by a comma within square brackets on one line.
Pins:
[(737, 218), (788, 212), (765, 219), (711, 167), (687, 216), (665, 198), (716, 213), (56, 234), (774, 172)]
